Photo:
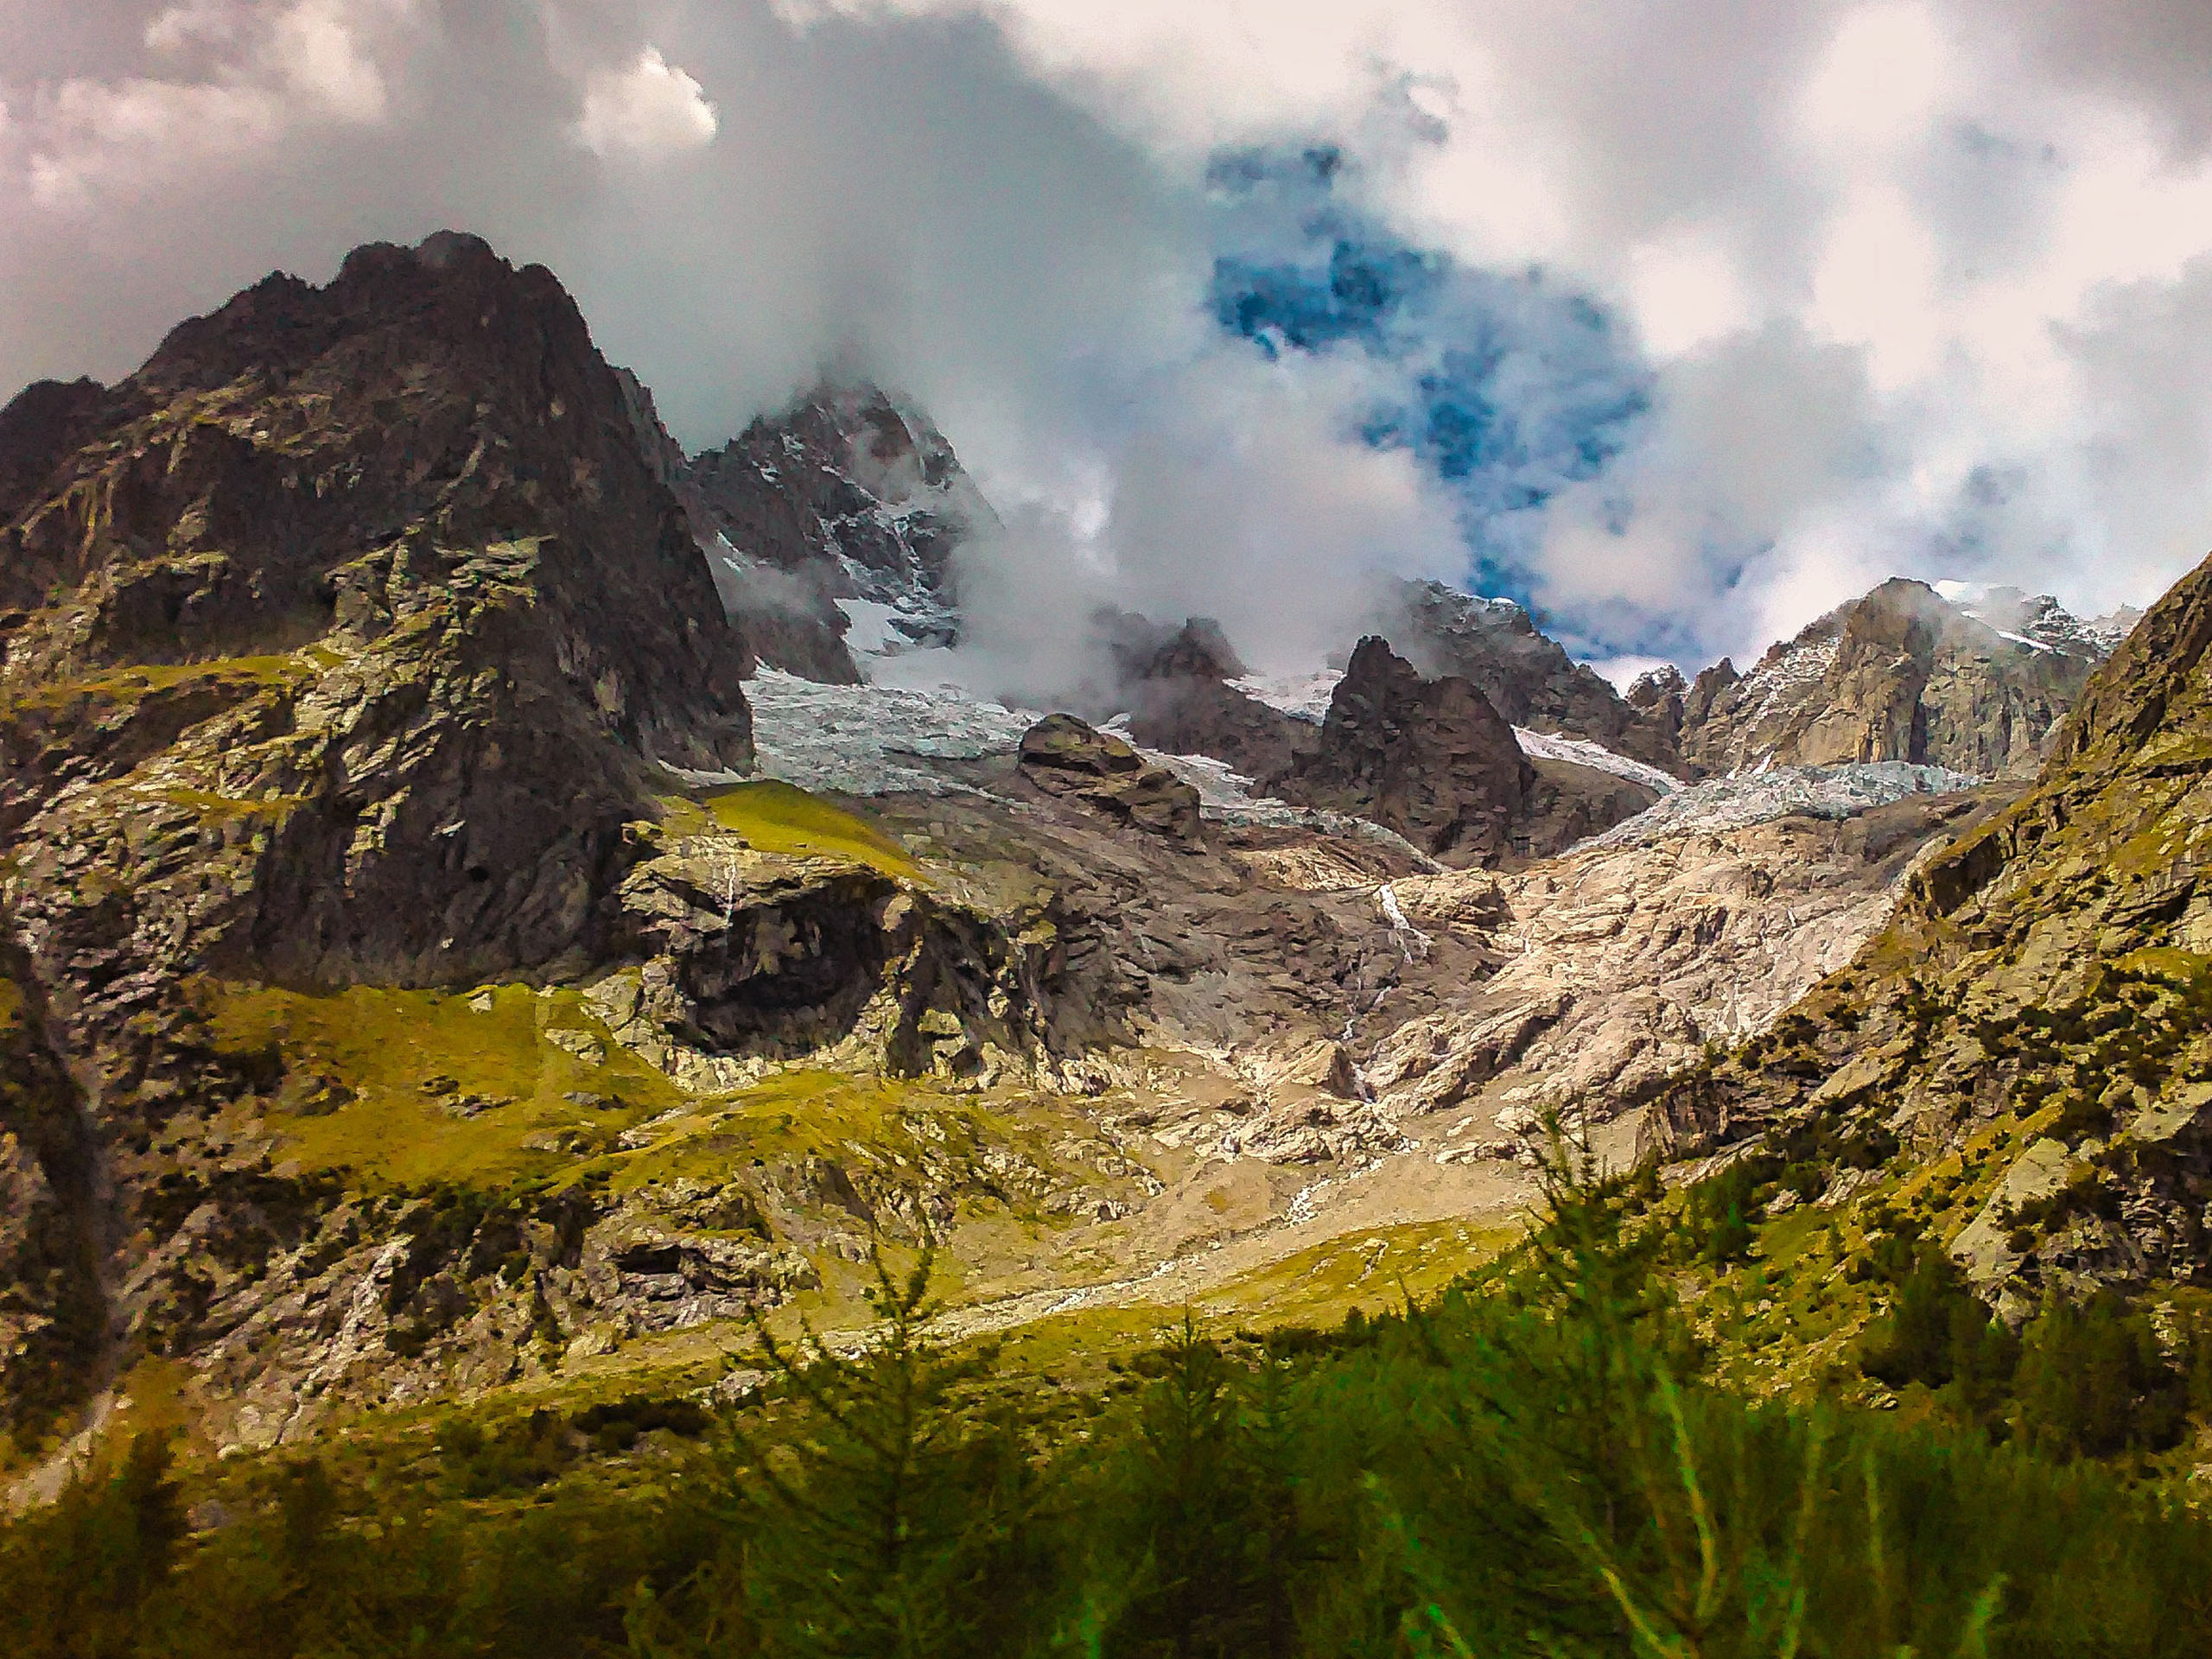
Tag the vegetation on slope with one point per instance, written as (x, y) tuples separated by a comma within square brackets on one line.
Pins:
[(1539, 1462), (771, 816)]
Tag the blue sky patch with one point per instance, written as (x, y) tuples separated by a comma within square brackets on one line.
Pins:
[(1509, 387)]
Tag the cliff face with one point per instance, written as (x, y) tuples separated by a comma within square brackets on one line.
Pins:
[(849, 496), (1175, 686), (1524, 673), (2036, 1010), (1899, 675), (1429, 758), (343, 642)]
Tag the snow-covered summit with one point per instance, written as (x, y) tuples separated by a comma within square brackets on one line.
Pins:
[(2037, 621), (848, 501)]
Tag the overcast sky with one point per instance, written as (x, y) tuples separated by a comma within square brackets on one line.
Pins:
[(1756, 303)]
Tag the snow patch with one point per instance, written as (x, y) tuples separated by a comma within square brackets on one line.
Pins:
[(1581, 752), (1303, 696), (1783, 792), (874, 739), (870, 633), (1220, 785)]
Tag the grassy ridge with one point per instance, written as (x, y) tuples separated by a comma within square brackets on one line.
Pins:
[(403, 1087), (771, 816)]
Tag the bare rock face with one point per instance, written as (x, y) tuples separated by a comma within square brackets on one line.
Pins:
[(1525, 675), (39, 430), (848, 494), (1659, 697), (1062, 756), (1900, 675), (358, 624), (1175, 685), (342, 641), (1567, 804), (2040, 995), (1429, 758), (749, 956), (1627, 961)]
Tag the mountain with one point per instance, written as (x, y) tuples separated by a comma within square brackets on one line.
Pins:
[(1902, 674), (432, 977), (830, 526), (1430, 759), (1176, 687), (353, 592), (1526, 675), (348, 646), (2027, 1036)]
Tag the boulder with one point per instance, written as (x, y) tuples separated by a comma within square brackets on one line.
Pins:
[(1064, 757)]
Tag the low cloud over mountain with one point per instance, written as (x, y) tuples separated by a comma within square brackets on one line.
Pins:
[(1682, 324)]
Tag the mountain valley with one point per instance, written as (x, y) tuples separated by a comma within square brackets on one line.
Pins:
[(478, 931)]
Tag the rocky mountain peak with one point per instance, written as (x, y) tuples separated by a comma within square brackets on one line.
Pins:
[(1525, 674), (2036, 620), (1173, 684), (1903, 673), (2036, 1004), (1654, 686), (451, 294), (831, 526), (1144, 650), (407, 508), (1431, 758)]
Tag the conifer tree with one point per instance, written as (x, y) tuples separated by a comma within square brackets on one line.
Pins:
[(891, 1528), (78, 1580), (1186, 1508)]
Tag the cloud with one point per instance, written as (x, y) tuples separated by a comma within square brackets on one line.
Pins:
[(1729, 307), (263, 74), (646, 110)]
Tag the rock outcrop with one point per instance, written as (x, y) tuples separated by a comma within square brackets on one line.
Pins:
[(2037, 1007), (1567, 804), (1525, 675), (1062, 756), (1175, 687), (1431, 759), (1899, 675), (1619, 965), (343, 641), (360, 629)]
